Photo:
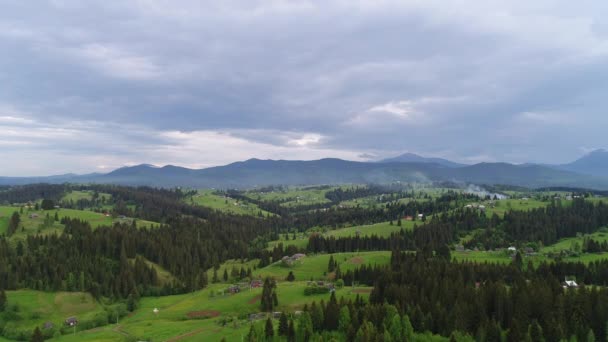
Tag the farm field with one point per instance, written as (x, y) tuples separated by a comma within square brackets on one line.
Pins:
[(207, 198)]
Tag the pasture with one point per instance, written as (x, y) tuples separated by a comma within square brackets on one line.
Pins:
[(35, 308), (33, 221), (207, 198)]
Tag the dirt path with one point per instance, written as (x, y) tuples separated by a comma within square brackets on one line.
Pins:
[(255, 299)]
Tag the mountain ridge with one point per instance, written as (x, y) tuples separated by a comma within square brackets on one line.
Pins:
[(257, 172)]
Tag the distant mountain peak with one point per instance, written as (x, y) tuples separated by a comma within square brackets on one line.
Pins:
[(409, 157), (593, 163)]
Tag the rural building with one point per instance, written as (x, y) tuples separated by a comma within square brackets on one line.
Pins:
[(570, 283), (234, 289), (255, 284), (512, 249), (71, 321), (257, 316), (48, 325), (298, 256)]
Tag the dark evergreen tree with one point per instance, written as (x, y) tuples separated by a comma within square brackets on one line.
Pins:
[(3, 301), (37, 336), (269, 329), (283, 325)]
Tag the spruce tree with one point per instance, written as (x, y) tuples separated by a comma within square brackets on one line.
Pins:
[(37, 336), (269, 329), (332, 311), (3, 301), (283, 325)]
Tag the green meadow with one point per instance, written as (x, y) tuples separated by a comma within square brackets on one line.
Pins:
[(35, 308), (76, 195), (207, 198), (383, 229), (32, 221), (294, 196), (315, 266)]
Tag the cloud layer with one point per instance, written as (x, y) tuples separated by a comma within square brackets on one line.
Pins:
[(87, 87)]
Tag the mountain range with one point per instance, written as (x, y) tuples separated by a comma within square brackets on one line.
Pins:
[(590, 171)]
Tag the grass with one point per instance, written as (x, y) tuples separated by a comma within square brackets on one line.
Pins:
[(383, 229), (76, 195), (294, 196), (315, 266), (32, 221), (173, 320), (567, 243), (34, 308), (207, 198)]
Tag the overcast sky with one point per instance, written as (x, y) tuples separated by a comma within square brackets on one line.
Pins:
[(89, 86)]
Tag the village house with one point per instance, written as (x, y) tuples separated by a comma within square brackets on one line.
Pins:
[(48, 325), (71, 321), (256, 283), (570, 284), (234, 289)]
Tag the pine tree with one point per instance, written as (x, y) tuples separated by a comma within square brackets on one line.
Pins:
[(283, 325), (269, 329), (291, 276), (536, 332), (215, 279), (3, 301), (395, 328), (590, 336), (225, 276), (332, 312), (291, 331), (317, 316), (304, 330), (37, 336), (408, 329), (331, 266), (344, 320)]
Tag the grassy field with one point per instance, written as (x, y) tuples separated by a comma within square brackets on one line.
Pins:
[(207, 198), (32, 221), (183, 316), (383, 229), (294, 196), (76, 195), (315, 266), (34, 308)]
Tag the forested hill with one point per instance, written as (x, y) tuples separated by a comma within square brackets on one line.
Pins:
[(255, 172)]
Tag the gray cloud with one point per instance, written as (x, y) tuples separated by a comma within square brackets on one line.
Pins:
[(140, 81)]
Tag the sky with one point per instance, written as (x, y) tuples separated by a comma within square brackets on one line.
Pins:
[(90, 86)]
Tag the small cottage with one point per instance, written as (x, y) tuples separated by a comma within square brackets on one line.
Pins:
[(71, 321)]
